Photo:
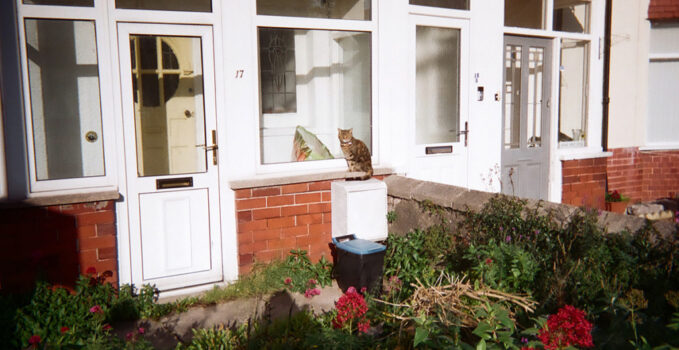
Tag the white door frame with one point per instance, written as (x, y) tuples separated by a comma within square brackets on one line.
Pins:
[(435, 167), (128, 221)]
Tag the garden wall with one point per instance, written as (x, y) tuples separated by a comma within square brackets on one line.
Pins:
[(56, 243), (416, 205)]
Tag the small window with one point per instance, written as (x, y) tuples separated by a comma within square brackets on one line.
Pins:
[(573, 86), (63, 77), (328, 73), (277, 70), (166, 5), (663, 84), (449, 4), (525, 13), (86, 3), (337, 9), (571, 16)]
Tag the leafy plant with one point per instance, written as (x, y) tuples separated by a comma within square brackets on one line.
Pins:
[(391, 216), (616, 196)]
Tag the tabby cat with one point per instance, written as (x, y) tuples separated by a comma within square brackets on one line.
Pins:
[(356, 154)]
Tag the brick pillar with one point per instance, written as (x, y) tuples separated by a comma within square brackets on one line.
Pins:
[(584, 182)]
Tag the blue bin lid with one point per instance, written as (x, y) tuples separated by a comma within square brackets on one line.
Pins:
[(360, 246)]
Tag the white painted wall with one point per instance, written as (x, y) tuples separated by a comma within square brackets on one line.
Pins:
[(629, 73)]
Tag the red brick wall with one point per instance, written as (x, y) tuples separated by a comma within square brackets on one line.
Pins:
[(272, 220), (56, 243), (584, 182), (644, 175)]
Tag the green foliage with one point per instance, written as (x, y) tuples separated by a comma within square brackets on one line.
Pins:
[(417, 255), (391, 217), (503, 266), (269, 278)]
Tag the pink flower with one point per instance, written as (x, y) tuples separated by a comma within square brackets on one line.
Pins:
[(95, 309), (129, 336), (311, 292), (312, 282), (64, 329), (363, 290), (288, 280), (363, 326), (141, 330), (91, 270), (106, 327), (34, 340)]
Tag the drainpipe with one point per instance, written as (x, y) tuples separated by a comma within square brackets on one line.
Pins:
[(607, 76)]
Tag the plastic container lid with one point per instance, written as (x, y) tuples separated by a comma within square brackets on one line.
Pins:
[(360, 246)]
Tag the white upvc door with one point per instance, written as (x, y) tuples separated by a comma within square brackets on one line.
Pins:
[(439, 104), (169, 123)]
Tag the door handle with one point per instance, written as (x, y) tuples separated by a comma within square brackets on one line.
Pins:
[(465, 132), (213, 147)]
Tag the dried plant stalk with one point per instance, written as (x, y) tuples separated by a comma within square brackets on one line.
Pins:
[(447, 298)]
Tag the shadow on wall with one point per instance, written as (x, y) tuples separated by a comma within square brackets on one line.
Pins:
[(36, 244), (55, 244)]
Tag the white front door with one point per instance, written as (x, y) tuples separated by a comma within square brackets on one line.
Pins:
[(167, 77), (526, 115), (440, 107)]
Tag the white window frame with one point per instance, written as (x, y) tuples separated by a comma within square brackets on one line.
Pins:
[(307, 23), (593, 120), (97, 15), (660, 57)]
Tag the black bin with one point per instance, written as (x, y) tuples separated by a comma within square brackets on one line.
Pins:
[(359, 263)]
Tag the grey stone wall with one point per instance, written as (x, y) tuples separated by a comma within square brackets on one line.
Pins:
[(421, 204)]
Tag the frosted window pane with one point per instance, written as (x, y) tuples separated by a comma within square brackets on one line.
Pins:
[(64, 89), (664, 38), (338, 9), (437, 104), (663, 104), (512, 96), (329, 78)]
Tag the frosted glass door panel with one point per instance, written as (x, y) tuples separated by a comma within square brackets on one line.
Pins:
[(450, 4), (167, 80), (512, 96), (337, 9), (166, 5), (64, 89), (437, 111)]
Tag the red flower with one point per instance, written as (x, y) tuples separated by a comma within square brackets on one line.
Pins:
[(91, 270), (64, 329), (288, 280), (34, 340), (141, 330), (363, 290), (95, 309), (489, 261), (106, 327), (568, 327), (351, 306)]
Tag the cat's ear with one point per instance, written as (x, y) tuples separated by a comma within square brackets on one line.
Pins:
[(339, 130)]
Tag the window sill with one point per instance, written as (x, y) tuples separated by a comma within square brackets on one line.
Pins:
[(44, 200), (660, 147), (291, 178), (585, 155)]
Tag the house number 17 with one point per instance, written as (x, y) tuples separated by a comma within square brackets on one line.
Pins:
[(239, 73)]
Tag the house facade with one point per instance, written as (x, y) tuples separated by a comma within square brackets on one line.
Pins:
[(177, 143)]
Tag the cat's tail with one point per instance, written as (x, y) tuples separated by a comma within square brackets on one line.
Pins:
[(368, 174)]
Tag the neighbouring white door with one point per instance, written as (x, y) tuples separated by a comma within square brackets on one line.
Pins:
[(440, 107), (525, 117), (167, 77)]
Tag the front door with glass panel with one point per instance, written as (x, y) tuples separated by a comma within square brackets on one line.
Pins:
[(167, 82), (439, 76), (526, 115)]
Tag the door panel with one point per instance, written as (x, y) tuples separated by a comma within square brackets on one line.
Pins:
[(174, 233), (167, 75), (526, 113)]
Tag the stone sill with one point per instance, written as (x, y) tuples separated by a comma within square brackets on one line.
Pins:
[(71, 198), (585, 155), (278, 179)]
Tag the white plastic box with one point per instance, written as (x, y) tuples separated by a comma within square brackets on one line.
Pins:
[(359, 208)]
